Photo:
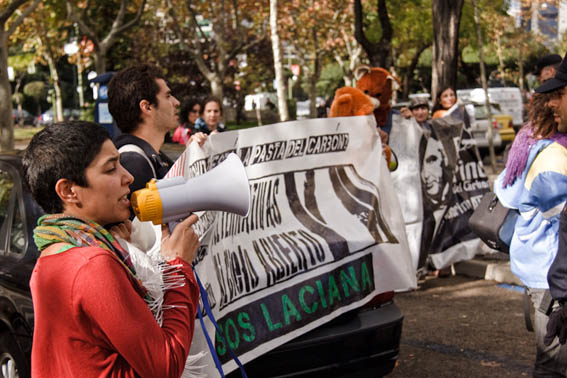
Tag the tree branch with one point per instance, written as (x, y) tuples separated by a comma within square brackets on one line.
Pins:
[(10, 9), (22, 16), (359, 27), (117, 27), (84, 27)]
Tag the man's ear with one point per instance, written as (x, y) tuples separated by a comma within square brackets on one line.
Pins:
[(65, 189), (145, 106)]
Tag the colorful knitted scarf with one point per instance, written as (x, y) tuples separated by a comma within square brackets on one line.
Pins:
[(520, 151), (60, 228)]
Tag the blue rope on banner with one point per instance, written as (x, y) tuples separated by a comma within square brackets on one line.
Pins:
[(209, 312)]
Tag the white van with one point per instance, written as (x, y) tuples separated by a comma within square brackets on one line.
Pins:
[(506, 103)]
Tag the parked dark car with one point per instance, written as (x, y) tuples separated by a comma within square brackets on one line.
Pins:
[(18, 215), (362, 343)]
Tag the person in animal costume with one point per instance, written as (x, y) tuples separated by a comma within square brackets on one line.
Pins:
[(372, 95)]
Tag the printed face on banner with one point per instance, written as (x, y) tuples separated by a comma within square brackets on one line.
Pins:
[(432, 173)]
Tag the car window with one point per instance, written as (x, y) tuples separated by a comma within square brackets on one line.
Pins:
[(12, 225), (481, 113), (6, 188), (17, 234)]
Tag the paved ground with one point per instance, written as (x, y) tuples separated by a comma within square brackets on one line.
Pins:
[(464, 327)]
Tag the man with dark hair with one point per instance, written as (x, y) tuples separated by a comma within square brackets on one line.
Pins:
[(94, 315), (535, 183), (141, 102)]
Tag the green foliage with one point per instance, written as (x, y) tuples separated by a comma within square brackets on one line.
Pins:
[(35, 89), (331, 79)]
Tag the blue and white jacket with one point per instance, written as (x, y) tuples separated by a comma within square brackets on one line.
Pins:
[(539, 194)]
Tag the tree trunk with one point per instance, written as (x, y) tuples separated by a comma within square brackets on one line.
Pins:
[(19, 102), (408, 77), (379, 52), (100, 61), (278, 65), (217, 89), (446, 22), (500, 56), (484, 86), (58, 111), (314, 77), (6, 122)]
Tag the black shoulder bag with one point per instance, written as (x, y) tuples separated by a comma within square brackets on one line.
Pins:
[(493, 223)]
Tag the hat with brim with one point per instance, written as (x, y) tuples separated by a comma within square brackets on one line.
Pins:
[(416, 102), (558, 81), (547, 60)]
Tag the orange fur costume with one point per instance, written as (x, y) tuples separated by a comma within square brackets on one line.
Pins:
[(372, 94)]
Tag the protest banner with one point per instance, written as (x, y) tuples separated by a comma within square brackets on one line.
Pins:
[(405, 139), (440, 181), (324, 235)]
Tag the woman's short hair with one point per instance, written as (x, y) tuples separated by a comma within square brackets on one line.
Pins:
[(62, 150)]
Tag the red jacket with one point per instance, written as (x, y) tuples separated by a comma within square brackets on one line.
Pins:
[(91, 322)]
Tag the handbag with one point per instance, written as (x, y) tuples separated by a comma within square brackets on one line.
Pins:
[(493, 223)]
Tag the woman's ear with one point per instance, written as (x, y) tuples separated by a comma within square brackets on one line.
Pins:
[(65, 189)]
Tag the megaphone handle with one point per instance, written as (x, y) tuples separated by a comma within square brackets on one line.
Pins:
[(171, 225)]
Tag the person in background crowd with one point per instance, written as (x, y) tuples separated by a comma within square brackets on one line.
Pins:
[(546, 67), (211, 114), (444, 100), (419, 110), (188, 115), (534, 182), (141, 102), (94, 317)]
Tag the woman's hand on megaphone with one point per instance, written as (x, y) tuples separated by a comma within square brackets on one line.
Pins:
[(183, 242)]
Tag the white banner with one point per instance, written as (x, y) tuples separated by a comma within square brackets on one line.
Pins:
[(440, 181), (325, 233)]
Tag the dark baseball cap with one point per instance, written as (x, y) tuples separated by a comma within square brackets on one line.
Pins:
[(558, 81), (547, 60)]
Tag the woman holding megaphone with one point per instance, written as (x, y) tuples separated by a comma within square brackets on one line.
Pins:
[(94, 316)]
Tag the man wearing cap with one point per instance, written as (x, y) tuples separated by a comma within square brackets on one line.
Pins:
[(419, 110), (546, 67), (535, 183)]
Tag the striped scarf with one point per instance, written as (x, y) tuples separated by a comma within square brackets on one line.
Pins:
[(61, 228)]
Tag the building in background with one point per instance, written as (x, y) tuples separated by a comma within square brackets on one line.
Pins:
[(545, 17)]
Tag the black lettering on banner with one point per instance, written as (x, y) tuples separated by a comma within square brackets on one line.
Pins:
[(235, 274), (286, 254), (198, 168), (245, 154), (264, 212), (294, 307), (216, 159), (322, 144)]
